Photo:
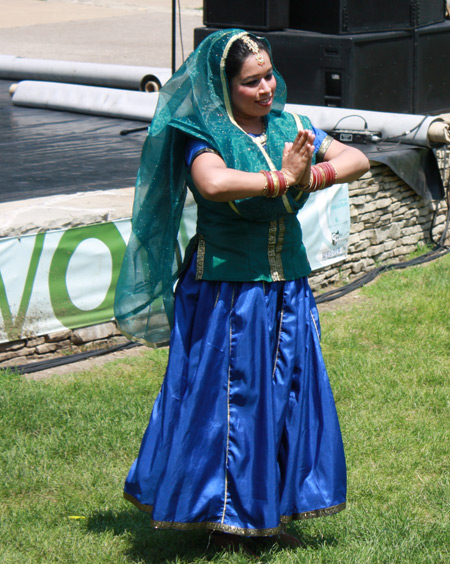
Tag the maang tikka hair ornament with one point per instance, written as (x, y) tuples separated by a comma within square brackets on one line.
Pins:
[(254, 49)]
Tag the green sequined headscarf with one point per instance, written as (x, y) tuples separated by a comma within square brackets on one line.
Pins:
[(194, 102)]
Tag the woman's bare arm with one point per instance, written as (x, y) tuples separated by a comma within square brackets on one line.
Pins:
[(350, 163), (216, 182)]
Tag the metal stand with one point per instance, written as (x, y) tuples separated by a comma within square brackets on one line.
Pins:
[(174, 34)]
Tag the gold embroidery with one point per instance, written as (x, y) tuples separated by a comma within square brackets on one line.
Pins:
[(226, 96), (233, 207), (278, 343), (298, 122), (286, 203), (277, 231), (313, 514), (323, 148), (204, 150), (223, 77), (228, 415), (315, 324), (201, 250), (284, 520), (271, 250), (299, 195), (138, 504), (279, 247), (217, 297)]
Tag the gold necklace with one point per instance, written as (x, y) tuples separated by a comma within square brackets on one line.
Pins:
[(260, 138)]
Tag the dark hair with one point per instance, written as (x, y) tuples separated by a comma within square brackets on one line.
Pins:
[(237, 54)]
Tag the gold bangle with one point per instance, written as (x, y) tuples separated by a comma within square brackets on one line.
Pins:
[(324, 180), (276, 184), (285, 179), (265, 190), (306, 187)]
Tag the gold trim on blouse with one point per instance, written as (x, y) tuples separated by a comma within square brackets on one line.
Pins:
[(201, 251), (274, 248), (320, 155), (204, 150)]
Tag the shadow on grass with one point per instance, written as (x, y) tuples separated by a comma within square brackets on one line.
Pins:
[(151, 546), (147, 544)]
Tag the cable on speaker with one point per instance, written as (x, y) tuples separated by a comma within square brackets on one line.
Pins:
[(350, 116)]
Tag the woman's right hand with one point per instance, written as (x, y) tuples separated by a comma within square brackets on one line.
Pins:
[(297, 157)]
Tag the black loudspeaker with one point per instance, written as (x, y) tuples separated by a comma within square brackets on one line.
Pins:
[(248, 14), (366, 71), (432, 69), (354, 16)]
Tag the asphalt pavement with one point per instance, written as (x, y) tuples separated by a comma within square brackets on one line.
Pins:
[(129, 32), (45, 153)]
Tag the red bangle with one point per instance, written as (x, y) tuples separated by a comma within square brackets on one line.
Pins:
[(276, 183), (323, 175), (330, 173)]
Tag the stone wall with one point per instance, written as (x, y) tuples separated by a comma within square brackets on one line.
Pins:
[(61, 343), (388, 222)]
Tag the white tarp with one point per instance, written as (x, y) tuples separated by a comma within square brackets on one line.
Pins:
[(420, 130), (91, 100)]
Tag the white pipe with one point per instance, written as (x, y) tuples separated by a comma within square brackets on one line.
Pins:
[(91, 100), (418, 130), (407, 128), (94, 74)]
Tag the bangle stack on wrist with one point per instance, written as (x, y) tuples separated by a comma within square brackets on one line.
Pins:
[(276, 183), (323, 175)]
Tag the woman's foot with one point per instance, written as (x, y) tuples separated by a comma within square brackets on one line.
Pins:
[(234, 543), (287, 540)]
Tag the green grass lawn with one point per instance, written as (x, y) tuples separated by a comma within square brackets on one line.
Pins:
[(67, 443)]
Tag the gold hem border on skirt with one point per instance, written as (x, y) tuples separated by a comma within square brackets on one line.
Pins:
[(212, 526)]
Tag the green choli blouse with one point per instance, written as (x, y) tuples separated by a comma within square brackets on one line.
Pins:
[(251, 239)]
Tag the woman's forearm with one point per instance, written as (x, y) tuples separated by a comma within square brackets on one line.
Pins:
[(218, 183), (350, 163), (221, 184)]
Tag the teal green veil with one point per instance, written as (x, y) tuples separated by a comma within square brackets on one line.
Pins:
[(194, 102)]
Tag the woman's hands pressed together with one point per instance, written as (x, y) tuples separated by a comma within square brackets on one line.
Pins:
[(216, 182), (297, 158)]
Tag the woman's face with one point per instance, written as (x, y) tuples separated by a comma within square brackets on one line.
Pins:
[(253, 88)]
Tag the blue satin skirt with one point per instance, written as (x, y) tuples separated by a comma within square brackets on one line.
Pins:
[(244, 435)]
